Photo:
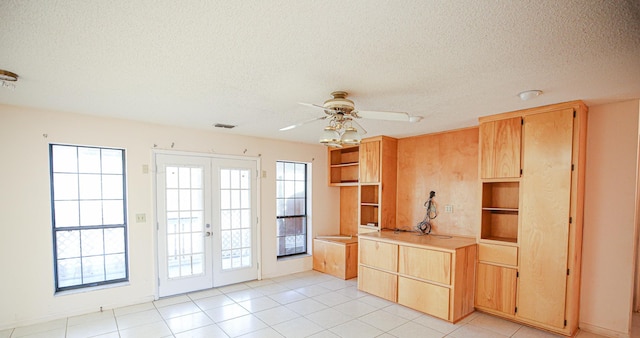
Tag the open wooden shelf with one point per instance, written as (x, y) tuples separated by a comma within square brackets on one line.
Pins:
[(500, 211), (344, 166)]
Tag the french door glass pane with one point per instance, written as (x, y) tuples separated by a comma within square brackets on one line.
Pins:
[(235, 223), (184, 205)]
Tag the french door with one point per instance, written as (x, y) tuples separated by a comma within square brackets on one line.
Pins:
[(206, 209)]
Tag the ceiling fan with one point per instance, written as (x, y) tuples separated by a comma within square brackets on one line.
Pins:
[(341, 114)]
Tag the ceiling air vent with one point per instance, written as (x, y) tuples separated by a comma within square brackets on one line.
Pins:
[(222, 125)]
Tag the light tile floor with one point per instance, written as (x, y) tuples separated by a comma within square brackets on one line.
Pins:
[(308, 304)]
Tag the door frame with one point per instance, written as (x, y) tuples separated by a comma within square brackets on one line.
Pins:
[(154, 192)]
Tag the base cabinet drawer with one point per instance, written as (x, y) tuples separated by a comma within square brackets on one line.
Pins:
[(425, 297), (378, 283), (425, 264), (379, 254), (499, 254)]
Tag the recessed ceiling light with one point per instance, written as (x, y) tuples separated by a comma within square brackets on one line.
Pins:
[(529, 94), (6, 75)]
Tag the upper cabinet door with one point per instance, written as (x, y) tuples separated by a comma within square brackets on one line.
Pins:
[(370, 162), (500, 143)]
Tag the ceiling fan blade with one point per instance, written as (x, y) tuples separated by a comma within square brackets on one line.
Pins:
[(361, 129), (315, 106), (302, 123), (383, 115)]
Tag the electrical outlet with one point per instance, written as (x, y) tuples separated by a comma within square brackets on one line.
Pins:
[(141, 218), (448, 208)]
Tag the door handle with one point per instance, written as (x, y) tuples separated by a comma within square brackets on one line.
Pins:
[(207, 234)]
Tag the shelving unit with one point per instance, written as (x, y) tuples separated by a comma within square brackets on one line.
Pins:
[(500, 201), (378, 159), (343, 166), (369, 205)]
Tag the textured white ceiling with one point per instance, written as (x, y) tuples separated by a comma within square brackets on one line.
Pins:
[(249, 63)]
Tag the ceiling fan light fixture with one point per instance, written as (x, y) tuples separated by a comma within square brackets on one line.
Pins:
[(330, 136), (6, 75), (529, 94), (351, 136)]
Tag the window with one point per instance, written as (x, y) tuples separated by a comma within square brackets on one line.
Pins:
[(88, 216), (291, 201)]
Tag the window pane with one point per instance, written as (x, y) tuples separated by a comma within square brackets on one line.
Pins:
[(244, 179), (112, 186), (90, 212), (68, 244), (185, 199), (114, 240), (225, 179), (93, 269), (184, 178), (196, 178), (92, 242), (172, 200), (197, 197), (67, 214), (113, 212), (235, 179), (89, 160), (66, 186), (301, 172), (289, 171), (280, 189), (172, 177), (111, 161), (90, 186), (197, 221), (279, 170), (115, 266), (65, 159), (69, 272)]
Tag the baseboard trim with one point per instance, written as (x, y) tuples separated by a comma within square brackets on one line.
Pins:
[(602, 331), (75, 312)]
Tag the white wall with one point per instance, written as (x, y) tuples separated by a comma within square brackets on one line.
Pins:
[(26, 264), (609, 220)]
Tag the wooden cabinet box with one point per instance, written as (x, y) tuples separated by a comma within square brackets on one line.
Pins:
[(530, 237), (427, 274), (337, 257)]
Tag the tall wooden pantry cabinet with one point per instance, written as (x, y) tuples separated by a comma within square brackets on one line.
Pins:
[(530, 239)]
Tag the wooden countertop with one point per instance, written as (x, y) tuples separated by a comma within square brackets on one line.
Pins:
[(339, 239), (440, 242)]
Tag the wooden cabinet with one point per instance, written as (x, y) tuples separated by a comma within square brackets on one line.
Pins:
[(343, 166), (377, 184), (336, 256), (496, 288), (500, 148), (530, 237), (546, 204), (435, 276)]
